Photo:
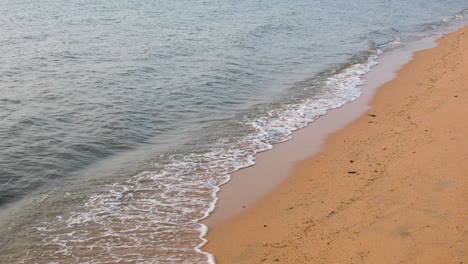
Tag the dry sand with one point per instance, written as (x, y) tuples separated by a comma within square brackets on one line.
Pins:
[(390, 188)]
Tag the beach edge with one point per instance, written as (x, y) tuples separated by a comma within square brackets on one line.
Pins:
[(341, 200)]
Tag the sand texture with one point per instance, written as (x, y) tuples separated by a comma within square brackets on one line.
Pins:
[(390, 188)]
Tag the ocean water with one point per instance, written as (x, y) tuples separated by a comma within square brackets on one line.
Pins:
[(120, 119)]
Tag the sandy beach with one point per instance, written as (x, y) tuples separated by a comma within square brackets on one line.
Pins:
[(391, 187)]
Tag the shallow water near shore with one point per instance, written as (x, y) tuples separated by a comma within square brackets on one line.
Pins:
[(121, 120)]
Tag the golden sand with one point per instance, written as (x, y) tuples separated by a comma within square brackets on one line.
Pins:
[(390, 188)]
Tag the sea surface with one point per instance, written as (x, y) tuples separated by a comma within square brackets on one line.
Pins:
[(120, 119)]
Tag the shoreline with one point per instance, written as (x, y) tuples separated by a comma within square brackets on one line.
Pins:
[(361, 162)]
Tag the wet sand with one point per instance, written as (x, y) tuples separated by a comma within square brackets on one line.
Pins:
[(392, 187)]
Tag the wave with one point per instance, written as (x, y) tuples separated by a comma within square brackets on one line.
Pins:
[(157, 213)]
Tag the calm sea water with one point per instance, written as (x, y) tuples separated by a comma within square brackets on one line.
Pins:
[(120, 119)]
